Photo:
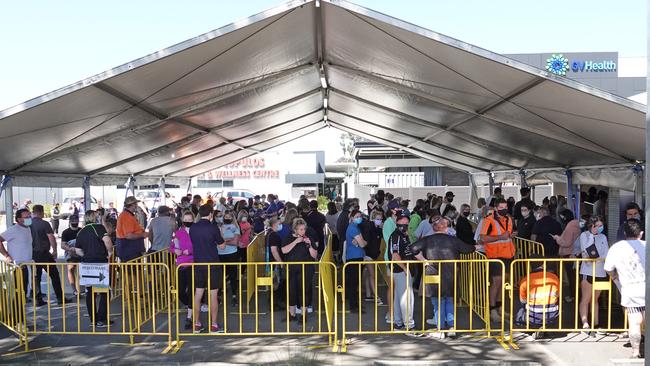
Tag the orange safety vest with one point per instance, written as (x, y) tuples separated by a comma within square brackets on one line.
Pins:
[(501, 248), (543, 286)]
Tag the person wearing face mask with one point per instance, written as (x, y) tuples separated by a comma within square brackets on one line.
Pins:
[(68, 241), (129, 233), (161, 229), (316, 221), (447, 200), (464, 230), (415, 220), (593, 245), (526, 222), (524, 202), (496, 236), (404, 300), (299, 248), (231, 234), (632, 211), (566, 242), (19, 246), (274, 254), (245, 238), (180, 209), (371, 232), (543, 231), (354, 253), (181, 245)]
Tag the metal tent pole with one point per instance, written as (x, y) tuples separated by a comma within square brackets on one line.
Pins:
[(86, 188), (647, 183), (6, 187)]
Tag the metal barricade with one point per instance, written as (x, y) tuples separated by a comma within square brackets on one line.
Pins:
[(436, 274), (268, 317), (473, 289), (12, 302), (255, 254), (144, 310), (524, 248), (538, 300)]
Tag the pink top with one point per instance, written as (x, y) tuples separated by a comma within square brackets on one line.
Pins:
[(246, 229), (569, 235), (184, 243)]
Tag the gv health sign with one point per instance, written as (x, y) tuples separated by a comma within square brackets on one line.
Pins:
[(560, 64)]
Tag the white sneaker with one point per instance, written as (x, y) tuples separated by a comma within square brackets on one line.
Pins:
[(298, 311), (310, 309), (451, 332), (204, 308), (388, 320), (432, 321), (436, 335), (494, 316)]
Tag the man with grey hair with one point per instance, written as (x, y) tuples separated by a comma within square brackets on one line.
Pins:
[(161, 229)]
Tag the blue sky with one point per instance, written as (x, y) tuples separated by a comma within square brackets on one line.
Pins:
[(47, 45)]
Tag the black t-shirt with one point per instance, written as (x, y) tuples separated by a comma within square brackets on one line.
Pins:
[(464, 230), (442, 247), (40, 240), (273, 240), (90, 240), (69, 234), (300, 252), (342, 224), (399, 243), (525, 226), (205, 239), (372, 235), (316, 221), (543, 229)]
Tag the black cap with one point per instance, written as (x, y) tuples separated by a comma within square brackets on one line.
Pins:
[(401, 215), (73, 218), (450, 194)]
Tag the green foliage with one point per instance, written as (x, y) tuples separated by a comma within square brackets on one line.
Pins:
[(322, 203)]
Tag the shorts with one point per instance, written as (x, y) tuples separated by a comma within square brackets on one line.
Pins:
[(201, 277), (495, 268), (590, 279), (73, 260), (635, 309)]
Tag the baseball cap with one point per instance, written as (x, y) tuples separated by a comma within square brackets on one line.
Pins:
[(74, 218), (393, 204), (401, 215), (450, 194)]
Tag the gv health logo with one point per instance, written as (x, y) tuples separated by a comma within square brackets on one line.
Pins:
[(557, 64)]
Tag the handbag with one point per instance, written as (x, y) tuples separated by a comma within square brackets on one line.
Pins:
[(592, 251)]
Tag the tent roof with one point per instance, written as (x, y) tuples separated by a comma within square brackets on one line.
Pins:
[(256, 83)]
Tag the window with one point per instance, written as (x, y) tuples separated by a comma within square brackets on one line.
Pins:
[(214, 183)]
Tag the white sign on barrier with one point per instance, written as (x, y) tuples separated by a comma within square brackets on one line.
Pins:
[(94, 274)]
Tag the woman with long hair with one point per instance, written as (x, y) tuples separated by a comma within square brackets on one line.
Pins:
[(299, 248), (593, 245), (231, 234), (181, 245)]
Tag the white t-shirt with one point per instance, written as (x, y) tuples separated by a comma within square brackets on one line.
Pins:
[(586, 240), (627, 257), (19, 243)]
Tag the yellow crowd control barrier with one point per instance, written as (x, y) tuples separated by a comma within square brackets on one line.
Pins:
[(145, 310), (13, 282), (524, 248), (414, 315), (298, 285), (328, 287), (540, 299), (255, 253), (473, 288)]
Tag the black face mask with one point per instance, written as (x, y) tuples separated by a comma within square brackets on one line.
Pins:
[(450, 199), (74, 226), (187, 224), (466, 213), (503, 212), (403, 227), (227, 221)]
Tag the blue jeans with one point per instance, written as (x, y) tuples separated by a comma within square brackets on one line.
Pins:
[(446, 310)]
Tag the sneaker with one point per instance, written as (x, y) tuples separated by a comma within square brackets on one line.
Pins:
[(451, 333), (40, 302), (234, 301), (568, 299), (388, 319), (198, 328), (188, 324), (585, 329), (600, 331), (298, 311), (432, 321), (204, 308), (67, 300), (214, 328), (379, 302), (310, 309), (369, 299), (75, 293), (436, 335), (494, 316), (399, 327), (103, 324)]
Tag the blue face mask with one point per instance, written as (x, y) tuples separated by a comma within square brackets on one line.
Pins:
[(27, 221), (600, 229), (358, 220), (279, 227)]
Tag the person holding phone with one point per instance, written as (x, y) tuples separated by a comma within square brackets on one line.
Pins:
[(298, 247), (593, 245)]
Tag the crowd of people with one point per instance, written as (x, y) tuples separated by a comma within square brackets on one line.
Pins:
[(205, 230)]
